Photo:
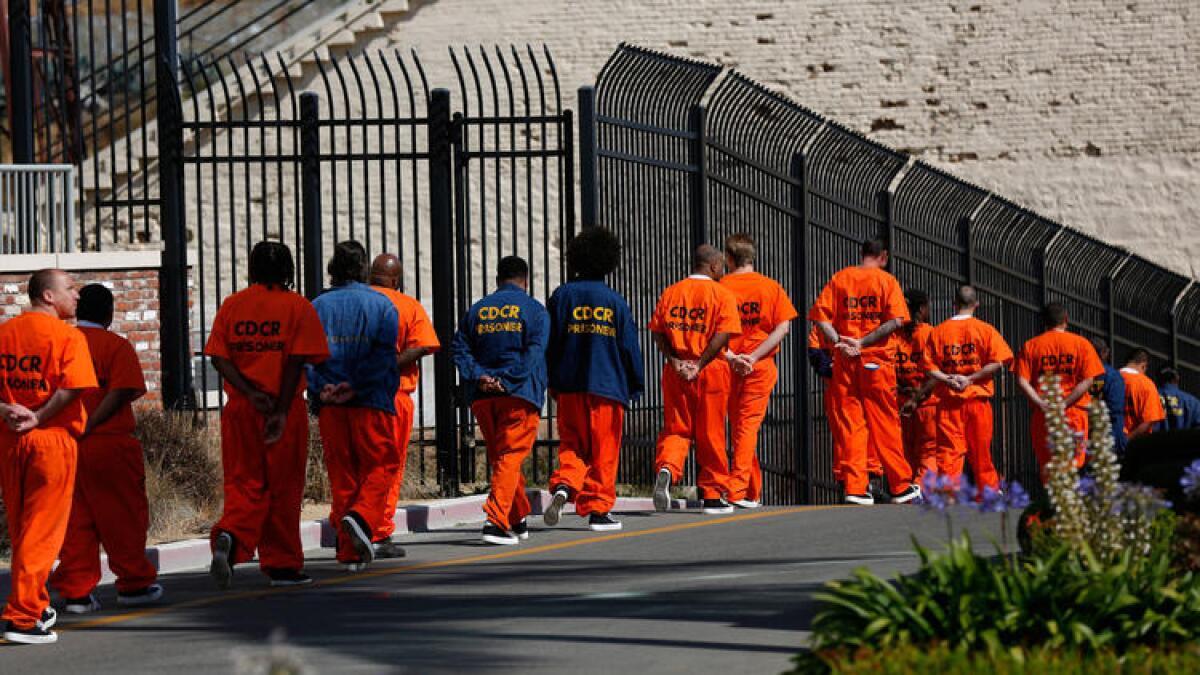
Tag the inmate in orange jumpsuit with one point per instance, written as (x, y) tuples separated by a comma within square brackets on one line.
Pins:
[(415, 331), (1073, 359), (39, 354), (920, 427), (257, 329), (763, 305), (857, 300), (817, 342), (962, 345), (1142, 403), (690, 313), (110, 507)]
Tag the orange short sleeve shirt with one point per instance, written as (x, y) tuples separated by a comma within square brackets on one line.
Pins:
[(416, 331), (762, 305), (1142, 403), (117, 367), (964, 345), (40, 354), (1068, 355), (857, 300), (691, 312)]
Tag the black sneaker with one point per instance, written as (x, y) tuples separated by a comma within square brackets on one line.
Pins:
[(554, 511), (875, 488), (388, 549), (143, 596), (49, 618), (356, 529), (911, 493), (864, 499), (221, 569), (521, 529), (85, 605), (281, 577), (35, 635), (494, 534), (662, 490), (717, 506), (603, 522)]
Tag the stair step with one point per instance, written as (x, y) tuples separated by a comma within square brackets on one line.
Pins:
[(343, 38), (393, 8), (368, 22)]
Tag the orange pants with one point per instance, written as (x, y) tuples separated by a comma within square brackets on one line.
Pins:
[(748, 399), (1077, 419), (965, 432), (361, 458), (863, 409), (403, 423), (264, 485), (874, 466), (590, 429), (37, 479), (510, 427), (109, 509), (920, 440), (695, 411)]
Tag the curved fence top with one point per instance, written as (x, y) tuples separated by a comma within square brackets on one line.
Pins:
[(1004, 231), (935, 204), (1147, 291), (762, 125), (650, 87)]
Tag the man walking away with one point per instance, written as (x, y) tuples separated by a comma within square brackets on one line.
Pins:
[(918, 406), (1110, 388), (1181, 408), (1143, 407)]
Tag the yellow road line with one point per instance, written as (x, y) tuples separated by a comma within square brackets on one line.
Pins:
[(387, 571)]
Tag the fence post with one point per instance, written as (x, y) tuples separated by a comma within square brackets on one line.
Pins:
[(310, 171), (799, 204), (1043, 274), (175, 336), (589, 189), (20, 81), (966, 227), (441, 221), (568, 159), (887, 201), (698, 210), (1110, 315)]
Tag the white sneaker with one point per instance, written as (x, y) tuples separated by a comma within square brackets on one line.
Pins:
[(30, 636), (662, 490), (864, 499), (746, 503), (554, 511), (913, 492), (717, 506), (354, 567), (221, 570), (498, 536), (85, 605)]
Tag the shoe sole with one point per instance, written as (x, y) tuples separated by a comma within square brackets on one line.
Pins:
[(719, 511), (21, 639), (138, 600), (860, 502), (554, 511), (47, 625), (391, 554), (904, 500), (523, 536), (354, 567), (359, 539), (662, 495), (747, 505), (81, 609), (284, 584), (500, 541), (608, 527), (220, 570)]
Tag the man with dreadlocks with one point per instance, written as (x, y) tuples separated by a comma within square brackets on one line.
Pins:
[(918, 405), (261, 339), (595, 370)]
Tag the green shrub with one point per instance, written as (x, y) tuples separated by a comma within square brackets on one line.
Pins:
[(942, 660)]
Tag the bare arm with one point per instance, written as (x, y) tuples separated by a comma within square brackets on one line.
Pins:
[(411, 355), (1078, 392), (61, 399), (827, 330), (262, 401), (984, 373), (715, 346), (772, 340), (288, 383), (882, 332), (1140, 430), (1030, 393), (113, 401)]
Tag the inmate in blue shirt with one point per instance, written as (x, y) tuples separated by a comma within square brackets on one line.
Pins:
[(1110, 387), (504, 335), (593, 342), (1183, 409), (361, 326)]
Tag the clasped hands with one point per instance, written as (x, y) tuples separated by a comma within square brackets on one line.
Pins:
[(489, 384), (742, 364), (19, 418)]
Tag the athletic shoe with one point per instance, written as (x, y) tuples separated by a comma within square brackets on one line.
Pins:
[(912, 492), (357, 532), (281, 577), (142, 596), (554, 511), (29, 636), (662, 490), (84, 605), (717, 506), (746, 503), (864, 499), (603, 522), (49, 618), (221, 570), (388, 549), (521, 529), (354, 566), (493, 534), (875, 488)]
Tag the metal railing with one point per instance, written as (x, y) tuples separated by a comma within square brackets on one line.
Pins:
[(37, 208)]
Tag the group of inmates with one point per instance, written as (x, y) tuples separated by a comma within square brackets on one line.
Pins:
[(902, 398)]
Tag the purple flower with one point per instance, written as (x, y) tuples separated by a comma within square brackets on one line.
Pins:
[(938, 491), (1191, 480), (1018, 499), (967, 494), (1086, 486)]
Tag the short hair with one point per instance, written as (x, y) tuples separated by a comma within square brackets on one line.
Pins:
[(1101, 347), (704, 254), (1054, 314), (915, 299), (512, 267), (95, 304), (593, 253), (349, 263), (1168, 375), (966, 296), (39, 283), (271, 264), (874, 247), (740, 248), (1138, 355)]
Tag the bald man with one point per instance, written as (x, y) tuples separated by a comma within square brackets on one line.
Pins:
[(414, 340)]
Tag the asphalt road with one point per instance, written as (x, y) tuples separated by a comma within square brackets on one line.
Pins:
[(672, 593)]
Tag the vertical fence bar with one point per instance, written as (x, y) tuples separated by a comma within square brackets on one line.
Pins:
[(310, 168), (567, 139), (589, 195), (966, 229), (698, 176), (20, 81), (1110, 315), (441, 222), (805, 492)]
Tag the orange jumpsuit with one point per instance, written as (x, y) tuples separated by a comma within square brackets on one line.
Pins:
[(857, 300), (919, 428), (415, 331), (1142, 403), (110, 507), (39, 354), (257, 329), (690, 313), (962, 345), (1073, 359), (763, 305)]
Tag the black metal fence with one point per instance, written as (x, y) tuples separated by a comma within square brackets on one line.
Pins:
[(677, 152)]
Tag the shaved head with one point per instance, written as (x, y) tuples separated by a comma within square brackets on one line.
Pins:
[(707, 259), (386, 271), (966, 298), (54, 292)]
